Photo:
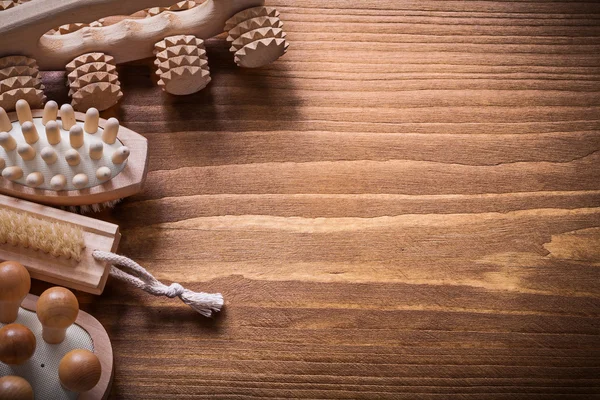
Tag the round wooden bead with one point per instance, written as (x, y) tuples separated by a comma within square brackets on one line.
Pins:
[(17, 344), (15, 388), (57, 309), (15, 283), (79, 370)]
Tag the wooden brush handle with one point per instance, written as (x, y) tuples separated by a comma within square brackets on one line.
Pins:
[(22, 28)]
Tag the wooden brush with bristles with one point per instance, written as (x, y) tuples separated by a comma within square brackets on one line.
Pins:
[(55, 245), (69, 159), (57, 239), (76, 251)]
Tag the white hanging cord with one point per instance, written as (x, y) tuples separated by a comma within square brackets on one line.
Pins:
[(131, 272)]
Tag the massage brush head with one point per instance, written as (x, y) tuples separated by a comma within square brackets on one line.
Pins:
[(79, 370), (15, 388), (65, 155), (17, 344), (69, 149), (15, 283)]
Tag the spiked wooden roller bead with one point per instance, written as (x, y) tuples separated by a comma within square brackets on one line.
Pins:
[(256, 37), (15, 283), (181, 63), (17, 344), (15, 388), (79, 370), (20, 79), (57, 309), (93, 82)]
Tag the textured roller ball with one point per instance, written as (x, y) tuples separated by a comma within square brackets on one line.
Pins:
[(256, 36), (20, 79), (93, 82), (17, 344), (181, 64), (15, 388), (79, 370)]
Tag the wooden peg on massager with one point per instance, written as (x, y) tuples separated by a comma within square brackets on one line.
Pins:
[(15, 283), (17, 344), (57, 309), (15, 388), (79, 370)]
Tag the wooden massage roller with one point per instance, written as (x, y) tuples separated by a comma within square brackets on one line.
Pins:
[(41, 35)]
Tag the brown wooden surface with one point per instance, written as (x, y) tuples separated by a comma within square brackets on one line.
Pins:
[(406, 206)]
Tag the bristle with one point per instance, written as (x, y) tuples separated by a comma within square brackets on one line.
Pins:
[(50, 112), (58, 182), (84, 209), (34, 179), (55, 238), (7, 141), (111, 129), (76, 136), (23, 111), (72, 157), (49, 155), (96, 149), (26, 152), (120, 155), (67, 116), (53, 132), (5, 125), (92, 117), (80, 181), (30, 132), (103, 174)]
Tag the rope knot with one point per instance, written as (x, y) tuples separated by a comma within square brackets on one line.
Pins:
[(174, 290), (131, 272)]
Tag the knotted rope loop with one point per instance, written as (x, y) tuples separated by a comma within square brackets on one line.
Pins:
[(129, 271)]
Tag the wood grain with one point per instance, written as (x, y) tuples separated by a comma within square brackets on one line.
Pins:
[(404, 206)]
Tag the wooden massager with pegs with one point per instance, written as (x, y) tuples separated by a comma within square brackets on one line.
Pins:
[(65, 158), (48, 348), (68, 34)]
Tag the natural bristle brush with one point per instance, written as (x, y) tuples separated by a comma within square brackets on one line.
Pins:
[(78, 252), (69, 159)]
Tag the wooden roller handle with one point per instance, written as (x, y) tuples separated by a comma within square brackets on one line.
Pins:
[(22, 28)]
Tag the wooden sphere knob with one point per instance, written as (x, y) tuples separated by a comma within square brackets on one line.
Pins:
[(79, 370), (15, 388), (57, 309), (15, 283), (17, 344)]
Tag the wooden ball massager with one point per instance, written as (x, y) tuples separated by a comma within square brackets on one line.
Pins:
[(60, 353), (65, 158), (88, 39)]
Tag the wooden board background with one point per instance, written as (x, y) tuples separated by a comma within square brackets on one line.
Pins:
[(406, 206)]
